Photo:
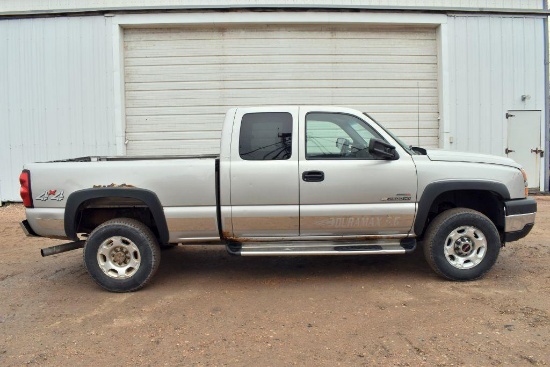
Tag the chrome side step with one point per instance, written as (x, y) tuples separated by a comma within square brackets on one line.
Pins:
[(296, 248)]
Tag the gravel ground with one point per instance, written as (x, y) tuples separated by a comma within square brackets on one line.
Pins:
[(205, 307)]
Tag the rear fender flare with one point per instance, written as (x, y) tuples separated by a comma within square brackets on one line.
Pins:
[(148, 197)]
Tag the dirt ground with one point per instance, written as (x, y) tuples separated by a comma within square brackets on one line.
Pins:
[(205, 307)]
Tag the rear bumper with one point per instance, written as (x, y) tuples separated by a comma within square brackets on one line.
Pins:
[(44, 222), (519, 219), (26, 227)]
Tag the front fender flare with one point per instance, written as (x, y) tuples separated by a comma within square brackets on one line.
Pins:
[(433, 190)]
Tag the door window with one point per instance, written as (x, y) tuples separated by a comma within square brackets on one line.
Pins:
[(338, 136), (266, 136)]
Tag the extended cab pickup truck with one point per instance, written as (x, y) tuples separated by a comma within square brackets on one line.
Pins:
[(289, 181)]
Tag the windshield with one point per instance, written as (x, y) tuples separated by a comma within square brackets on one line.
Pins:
[(399, 141)]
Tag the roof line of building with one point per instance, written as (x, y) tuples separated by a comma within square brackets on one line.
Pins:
[(266, 7)]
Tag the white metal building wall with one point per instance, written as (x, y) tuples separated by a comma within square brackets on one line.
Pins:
[(29, 5), (181, 81), (493, 62), (56, 86), (56, 93)]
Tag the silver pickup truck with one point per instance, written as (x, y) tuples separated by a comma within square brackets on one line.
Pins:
[(288, 181)]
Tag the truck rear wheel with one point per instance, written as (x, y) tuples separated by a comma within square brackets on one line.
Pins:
[(122, 255), (461, 244)]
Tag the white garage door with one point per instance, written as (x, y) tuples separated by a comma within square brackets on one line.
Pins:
[(180, 81)]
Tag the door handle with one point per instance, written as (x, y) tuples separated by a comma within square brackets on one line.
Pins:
[(507, 151), (313, 176), (538, 151)]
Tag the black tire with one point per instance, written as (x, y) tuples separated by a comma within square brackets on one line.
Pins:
[(122, 255), (461, 244)]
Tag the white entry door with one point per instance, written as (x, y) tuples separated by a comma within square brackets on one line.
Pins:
[(524, 144)]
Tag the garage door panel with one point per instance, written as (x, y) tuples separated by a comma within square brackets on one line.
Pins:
[(278, 59), (237, 69), (423, 141), (296, 97), (249, 51), (180, 81), (264, 37), (274, 84), (295, 76), (275, 32), (410, 132), (178, 147), (156, 135), (181, 126), (179, 111), (177, 95), (425, 120), (291, 98), (175, 122), (236, 45), (203, 110)]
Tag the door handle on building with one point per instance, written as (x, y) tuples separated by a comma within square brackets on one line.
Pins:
[(507, 151), (538, 151)]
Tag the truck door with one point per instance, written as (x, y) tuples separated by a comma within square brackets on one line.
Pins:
[(345, 190), (264, 173)]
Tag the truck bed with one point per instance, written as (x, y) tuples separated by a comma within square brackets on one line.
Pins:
[(184, 185), (134, 158)]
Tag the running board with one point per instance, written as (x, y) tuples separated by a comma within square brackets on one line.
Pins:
[(297, 248)]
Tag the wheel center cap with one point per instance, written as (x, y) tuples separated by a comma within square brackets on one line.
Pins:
[(464, 246), (119, 257)]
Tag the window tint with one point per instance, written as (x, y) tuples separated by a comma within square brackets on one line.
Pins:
[(337, 136), (320, 138), (266, 136)]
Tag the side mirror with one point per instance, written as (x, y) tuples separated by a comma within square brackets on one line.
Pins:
[(382, 149), (419, 150)]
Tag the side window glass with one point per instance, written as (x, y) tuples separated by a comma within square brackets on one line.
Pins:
[(266, 136), (337, 136), (321, 141)]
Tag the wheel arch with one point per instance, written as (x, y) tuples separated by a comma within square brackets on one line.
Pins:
[(150, 200), (436, 191)]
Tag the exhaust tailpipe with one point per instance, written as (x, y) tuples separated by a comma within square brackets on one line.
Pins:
[(62, 248)]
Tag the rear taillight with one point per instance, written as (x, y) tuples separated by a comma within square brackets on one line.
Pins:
[(25, 191)]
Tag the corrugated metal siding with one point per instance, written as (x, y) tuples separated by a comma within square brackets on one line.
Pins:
[(56, 93), (26, 5), (180, 82), (493, 62)]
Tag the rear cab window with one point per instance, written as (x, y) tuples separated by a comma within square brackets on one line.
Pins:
[(266, 136)]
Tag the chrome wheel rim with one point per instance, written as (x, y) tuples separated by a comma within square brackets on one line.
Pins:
[(465, 247), (118, 257)]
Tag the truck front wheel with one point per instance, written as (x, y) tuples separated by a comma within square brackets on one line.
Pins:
[(122, 255), (461, 244)]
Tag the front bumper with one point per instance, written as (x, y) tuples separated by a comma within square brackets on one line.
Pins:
[(519, 218)]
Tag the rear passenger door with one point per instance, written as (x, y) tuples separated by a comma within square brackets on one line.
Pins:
[(264, 173)]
